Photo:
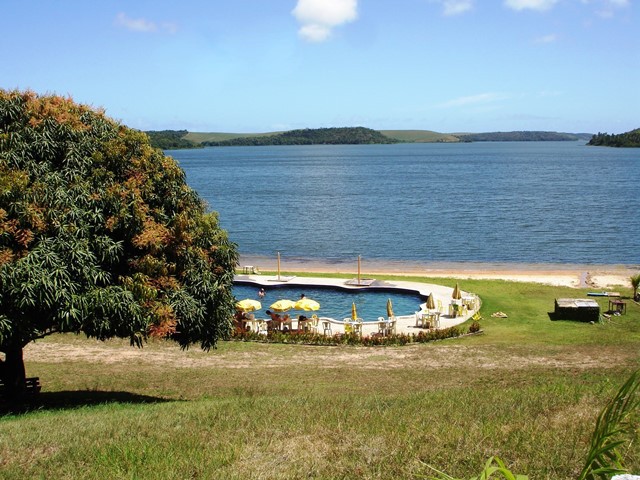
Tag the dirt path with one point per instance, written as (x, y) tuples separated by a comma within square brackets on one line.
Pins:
[(433, 356)]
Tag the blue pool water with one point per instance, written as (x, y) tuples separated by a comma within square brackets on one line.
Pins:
[(335, 302)]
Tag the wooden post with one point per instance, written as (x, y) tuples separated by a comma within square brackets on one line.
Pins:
[(278, 266)]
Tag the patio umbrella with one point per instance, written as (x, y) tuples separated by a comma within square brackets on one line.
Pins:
[(306, 304), (389, 308), (431, 304), (354, 312), (282, 305), (248, 305), (456, 293)]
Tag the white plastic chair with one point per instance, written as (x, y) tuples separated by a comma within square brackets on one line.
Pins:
[(326, 327)]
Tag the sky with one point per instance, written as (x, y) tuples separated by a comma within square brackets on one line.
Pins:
[(249, 66)]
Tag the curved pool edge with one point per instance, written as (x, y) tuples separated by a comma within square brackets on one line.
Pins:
[(404, 324)]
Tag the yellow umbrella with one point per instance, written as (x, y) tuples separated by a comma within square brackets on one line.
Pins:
[(389, 308), (248, 305), (456, 293), (306, 304), (354, 312), (282, 305), (431, 304)]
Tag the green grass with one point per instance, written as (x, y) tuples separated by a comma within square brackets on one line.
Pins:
[(220, 137), (419, 136), (528, 390)]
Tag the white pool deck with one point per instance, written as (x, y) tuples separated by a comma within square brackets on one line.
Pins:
[(404, 324)]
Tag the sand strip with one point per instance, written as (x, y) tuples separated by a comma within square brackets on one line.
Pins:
[(578, 276)]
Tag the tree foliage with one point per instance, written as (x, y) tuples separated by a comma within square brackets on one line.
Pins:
[(628, 139), (99, 233), (312, 136), (170, 139), (521, 136)]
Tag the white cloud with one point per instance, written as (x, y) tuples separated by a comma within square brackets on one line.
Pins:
[(481, 98), (456, 7), (619, 3), (142, 25), (319, 17), (539, 5), (551, 38), (609, 7)]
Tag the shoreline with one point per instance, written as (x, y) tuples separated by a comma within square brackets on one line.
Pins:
[(566, 275)]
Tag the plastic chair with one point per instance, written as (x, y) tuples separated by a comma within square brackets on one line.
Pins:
[(261, 327), (391, 327), (287, 321), (326, 327), (382, 326), (357, 327), (312, 324), (347, 325)]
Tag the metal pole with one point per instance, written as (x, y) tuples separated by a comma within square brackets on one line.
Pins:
[(278, 266)]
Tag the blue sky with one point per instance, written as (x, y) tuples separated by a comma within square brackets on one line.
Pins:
[(265, 65)]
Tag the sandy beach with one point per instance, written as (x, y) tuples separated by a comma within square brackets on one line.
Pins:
[(576, 276)]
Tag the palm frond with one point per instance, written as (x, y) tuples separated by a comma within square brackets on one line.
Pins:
[(604, 458)]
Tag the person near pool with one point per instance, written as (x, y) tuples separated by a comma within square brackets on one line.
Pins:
[(302, 323), (261, 293), (276, 320)]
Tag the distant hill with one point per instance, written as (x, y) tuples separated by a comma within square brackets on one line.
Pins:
[(522, 136), (169, 139), (201, 137), (310, 136), (628, 139), (419, 136)]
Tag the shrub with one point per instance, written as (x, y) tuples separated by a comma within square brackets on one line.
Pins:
[(474, 327)]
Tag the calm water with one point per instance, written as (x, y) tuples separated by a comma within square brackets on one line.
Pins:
[(522, 202), (335, 303)]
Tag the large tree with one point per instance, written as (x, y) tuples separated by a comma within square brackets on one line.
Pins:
[(100, 234)]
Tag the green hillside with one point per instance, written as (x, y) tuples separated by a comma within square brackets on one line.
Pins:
[(519, 136), (170, 139), (419, 136), (200, 137)]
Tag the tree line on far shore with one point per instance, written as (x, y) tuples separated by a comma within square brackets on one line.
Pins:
[(170, 139), (177, 139), (311, 136), (628, 139)]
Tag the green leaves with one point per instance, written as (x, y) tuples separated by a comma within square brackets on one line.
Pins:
[(494, 468), (611, 433), (100, 233)]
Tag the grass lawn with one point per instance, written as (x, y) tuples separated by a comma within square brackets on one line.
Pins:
[(528, 390)]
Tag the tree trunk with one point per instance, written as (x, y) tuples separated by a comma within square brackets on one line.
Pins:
[(13, 372)]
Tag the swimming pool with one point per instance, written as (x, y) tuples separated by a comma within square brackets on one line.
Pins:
[(335, 302)]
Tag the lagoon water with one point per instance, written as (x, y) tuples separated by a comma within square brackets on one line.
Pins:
[(511, 202)]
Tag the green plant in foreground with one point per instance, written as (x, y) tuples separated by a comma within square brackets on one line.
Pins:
[(604, 458), (493, 465), (635, 284)]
